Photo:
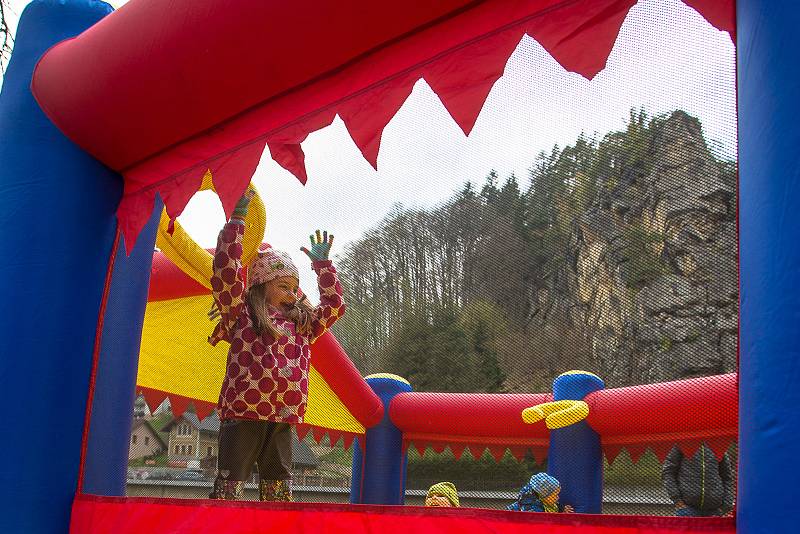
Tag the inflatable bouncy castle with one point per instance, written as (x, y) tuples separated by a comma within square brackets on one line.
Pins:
[(112, 121)]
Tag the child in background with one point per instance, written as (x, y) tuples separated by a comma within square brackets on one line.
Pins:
[(265, 388), (540, 495), (699, 485), (443, 494)]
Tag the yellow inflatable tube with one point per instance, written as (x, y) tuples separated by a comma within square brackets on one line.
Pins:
[(196, 261)]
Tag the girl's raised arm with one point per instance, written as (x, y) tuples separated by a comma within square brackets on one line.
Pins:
[(227, 283), (331, 304)]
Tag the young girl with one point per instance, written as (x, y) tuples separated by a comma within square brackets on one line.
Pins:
[(265, 388)]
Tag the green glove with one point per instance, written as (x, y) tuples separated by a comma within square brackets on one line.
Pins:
[(240, 210), (320, 246)]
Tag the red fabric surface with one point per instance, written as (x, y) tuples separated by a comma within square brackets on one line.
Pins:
[(162, 109), (657, 416), (474, 421), (117, 515), (637, 418), (345, 380), (168, 281), (334, 435), (157, 63)]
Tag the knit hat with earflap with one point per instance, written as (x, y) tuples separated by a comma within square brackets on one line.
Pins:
[(269, 265), (447, 490), (543, 484)]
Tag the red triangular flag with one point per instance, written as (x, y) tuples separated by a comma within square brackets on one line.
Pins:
[(719, 445), (497, 451), (291, 158), (335, 436), (302, 431), (231, 173), (318, 433), (420, 446), (178, 404), (688, 448), (636, 452), (284, 145), (464, 78), (580, 35), (177, 192), (203, 409), (133, 212), (661, 450), (367, 115), (153, 398), (457, 449), (438, 447), (347, 442)]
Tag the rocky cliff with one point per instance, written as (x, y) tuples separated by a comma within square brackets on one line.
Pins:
[(651, 271)]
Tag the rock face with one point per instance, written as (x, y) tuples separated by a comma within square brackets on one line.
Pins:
[(652, 275)]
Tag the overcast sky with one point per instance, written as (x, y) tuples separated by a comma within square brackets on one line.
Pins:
[(666, 57)]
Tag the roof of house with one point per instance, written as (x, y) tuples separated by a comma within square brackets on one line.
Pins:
[(144, 422), (209, 424), (301, 453)]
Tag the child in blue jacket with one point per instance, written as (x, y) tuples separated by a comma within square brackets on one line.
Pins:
[(540, 495)]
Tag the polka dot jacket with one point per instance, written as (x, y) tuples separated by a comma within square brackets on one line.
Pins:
[(265, 378)]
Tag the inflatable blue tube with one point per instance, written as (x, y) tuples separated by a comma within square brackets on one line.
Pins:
[(108, 441), (379, 473), (769, 229), (575, 457), (57, 226)]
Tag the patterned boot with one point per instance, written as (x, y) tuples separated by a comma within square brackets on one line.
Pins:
[(275, 490), (229, 490)]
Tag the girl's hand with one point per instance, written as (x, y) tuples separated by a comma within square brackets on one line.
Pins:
[(244, 201), (214, 312), (568, 509), (320, 247)]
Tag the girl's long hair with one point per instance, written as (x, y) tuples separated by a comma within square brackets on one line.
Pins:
[(300, 315)]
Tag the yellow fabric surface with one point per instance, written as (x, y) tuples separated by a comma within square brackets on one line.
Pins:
[(176, 357), (196, 261)]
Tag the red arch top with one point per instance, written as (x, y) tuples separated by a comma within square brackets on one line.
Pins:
[(161, 91), (655, 416), (155, 73)]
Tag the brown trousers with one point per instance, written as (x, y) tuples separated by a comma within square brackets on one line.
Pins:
[(244, 443)]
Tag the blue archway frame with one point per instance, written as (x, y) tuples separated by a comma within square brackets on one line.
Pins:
[(55, 281), (769, 262)]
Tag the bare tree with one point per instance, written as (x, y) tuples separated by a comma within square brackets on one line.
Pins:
[(5, 37)]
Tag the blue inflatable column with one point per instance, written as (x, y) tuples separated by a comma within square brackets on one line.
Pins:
[(108, 441), (769, 233), (575, 457), (379, 472), (57, 229)]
